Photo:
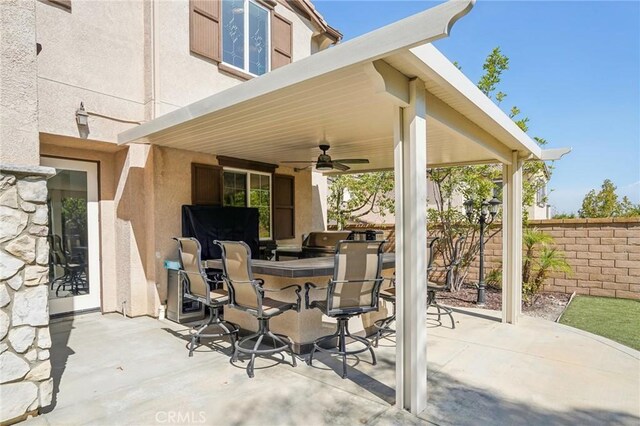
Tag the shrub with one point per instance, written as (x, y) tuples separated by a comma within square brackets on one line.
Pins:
[(536, 269)]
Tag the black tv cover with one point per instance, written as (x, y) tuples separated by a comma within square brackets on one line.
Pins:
[(209, 223)]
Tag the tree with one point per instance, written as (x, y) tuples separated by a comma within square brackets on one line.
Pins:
[(605, 203), (372, 192), (356, 195), (478, 182)]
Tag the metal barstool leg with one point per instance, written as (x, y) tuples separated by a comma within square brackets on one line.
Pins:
[(343, 348), (195, 337), (288, 343), (365, 342), (236, 351), (231, 333), (310, 359), (317, 348), (253, 356), (293, 355), (234, 357)]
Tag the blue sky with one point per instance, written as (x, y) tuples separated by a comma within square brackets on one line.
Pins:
[(574, 71)]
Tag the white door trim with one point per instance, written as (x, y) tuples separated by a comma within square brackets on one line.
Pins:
[(91, 300)]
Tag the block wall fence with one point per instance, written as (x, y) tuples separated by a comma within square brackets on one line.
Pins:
[(603, 253)]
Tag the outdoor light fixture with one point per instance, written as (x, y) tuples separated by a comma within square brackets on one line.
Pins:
[(488, 211), (82, 119)]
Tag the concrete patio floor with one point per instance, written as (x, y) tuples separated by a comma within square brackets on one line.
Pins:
[(111, 370)]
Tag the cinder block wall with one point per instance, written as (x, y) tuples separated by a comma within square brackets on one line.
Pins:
[(604, 255)]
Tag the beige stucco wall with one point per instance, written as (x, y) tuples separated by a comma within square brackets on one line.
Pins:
[(93, 54), (18, 84), (319, 192), (129, 61)]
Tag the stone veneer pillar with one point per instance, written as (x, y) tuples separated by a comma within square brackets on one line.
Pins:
[(25, 370)]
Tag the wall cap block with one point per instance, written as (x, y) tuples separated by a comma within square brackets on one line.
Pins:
[(20, 169)]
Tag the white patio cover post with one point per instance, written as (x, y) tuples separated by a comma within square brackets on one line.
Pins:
[(512, 240), (410, 165)]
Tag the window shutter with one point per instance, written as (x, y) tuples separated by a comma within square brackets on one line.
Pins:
[(204, 28), (281, 41), (283, 207), (63, 3), (206, 184)]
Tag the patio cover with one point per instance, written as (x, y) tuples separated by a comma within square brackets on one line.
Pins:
[(340, 96), (391, 97)]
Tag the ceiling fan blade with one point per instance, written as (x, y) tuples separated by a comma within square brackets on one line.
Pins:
[(353, 161), (301, 161), (340, 166)]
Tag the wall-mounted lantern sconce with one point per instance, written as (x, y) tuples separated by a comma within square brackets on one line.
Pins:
[(82, 119)]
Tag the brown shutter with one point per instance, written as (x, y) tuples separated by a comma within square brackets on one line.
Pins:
[(204, 28), (63, 3), (284, 207), (206, 184), (281, 41)]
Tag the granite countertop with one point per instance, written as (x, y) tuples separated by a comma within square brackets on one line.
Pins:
[(312, 267)]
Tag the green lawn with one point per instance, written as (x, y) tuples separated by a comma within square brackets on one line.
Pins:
[(615, 319)]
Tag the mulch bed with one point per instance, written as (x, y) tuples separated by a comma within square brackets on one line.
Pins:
[(545, 305)]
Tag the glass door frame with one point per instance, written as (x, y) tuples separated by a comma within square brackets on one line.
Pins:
[(93, 299)]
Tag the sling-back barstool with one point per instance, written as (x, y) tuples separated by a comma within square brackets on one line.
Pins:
[(248, 295), (389, 295), (353, 290), (433, 288), (198, 287)]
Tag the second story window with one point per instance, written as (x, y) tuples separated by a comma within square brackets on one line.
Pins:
[(245, 36)]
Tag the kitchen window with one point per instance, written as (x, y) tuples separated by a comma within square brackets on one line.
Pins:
[(245, 36), (243, 188)]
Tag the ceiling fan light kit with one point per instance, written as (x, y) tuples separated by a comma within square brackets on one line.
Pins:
[(325, 163), (324, 166)]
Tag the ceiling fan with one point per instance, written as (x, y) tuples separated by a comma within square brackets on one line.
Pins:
[(325, 163)]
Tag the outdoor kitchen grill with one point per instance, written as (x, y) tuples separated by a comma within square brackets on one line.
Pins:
[(323, 244)]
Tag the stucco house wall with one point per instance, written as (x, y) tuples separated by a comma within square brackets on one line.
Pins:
[(121, 62), (94, 54), (126, 62)]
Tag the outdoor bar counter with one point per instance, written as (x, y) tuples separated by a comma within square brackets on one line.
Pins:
[(307, 325)]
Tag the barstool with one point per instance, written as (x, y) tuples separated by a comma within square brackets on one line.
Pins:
[(389, 295), (198, 287), (354, 290), (248, 295)]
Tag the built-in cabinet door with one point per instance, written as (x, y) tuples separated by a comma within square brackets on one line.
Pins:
[(74, 239)]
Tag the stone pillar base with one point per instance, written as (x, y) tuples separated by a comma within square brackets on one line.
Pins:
[(25, 370)]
